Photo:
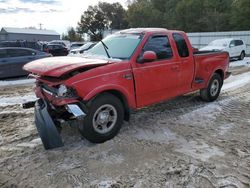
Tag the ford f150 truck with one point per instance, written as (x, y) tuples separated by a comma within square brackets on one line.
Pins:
[(128, 70)]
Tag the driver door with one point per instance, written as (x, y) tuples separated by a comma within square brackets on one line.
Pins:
[(158, 80)]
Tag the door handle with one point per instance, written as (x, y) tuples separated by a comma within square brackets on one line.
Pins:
[(128, 76), (175, 68)]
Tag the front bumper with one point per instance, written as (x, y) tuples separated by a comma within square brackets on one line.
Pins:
[(47, 123), (46, 127)]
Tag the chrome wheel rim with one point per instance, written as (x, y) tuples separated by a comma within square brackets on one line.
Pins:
[(104, 118), (214, 88)]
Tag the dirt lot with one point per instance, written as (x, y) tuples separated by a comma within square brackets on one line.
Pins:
[(180, 143)]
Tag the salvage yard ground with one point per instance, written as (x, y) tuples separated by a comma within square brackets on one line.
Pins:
[(184, 142)]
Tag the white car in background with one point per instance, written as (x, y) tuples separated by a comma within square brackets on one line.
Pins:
[(83, 48), (235, 47)]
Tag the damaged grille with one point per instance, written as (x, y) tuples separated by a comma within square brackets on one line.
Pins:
[(49, 90), (53, 91)]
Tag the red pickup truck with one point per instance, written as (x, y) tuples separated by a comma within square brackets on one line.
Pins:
[(130, 69)]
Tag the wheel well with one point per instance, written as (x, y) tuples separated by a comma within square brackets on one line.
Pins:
[(221, 73), (123, 99)]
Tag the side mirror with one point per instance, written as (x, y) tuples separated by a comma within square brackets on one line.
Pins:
[(149, 56), (231, 45)]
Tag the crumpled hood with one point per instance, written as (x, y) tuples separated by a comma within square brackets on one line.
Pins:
[(212, 48), (58, 66)]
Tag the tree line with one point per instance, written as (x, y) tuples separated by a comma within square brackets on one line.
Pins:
[(186, 15)]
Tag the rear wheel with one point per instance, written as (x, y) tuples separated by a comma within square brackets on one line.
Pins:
[(242, 55), (104, 119), (212, 92)]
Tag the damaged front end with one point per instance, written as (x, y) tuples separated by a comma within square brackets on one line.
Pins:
[(51, 109)]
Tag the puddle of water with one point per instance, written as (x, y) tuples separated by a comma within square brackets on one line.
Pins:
[(32, 144), (162, 135), (1, 139), (225, 128), (200, 151), (108, 157)]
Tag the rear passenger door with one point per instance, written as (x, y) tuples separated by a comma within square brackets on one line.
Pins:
[(186, 62), (239, 47), (4, 67), (232, 49), (18, 58), (157, 80)]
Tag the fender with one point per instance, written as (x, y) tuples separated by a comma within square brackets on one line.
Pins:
[(212, 73), (130, 97)]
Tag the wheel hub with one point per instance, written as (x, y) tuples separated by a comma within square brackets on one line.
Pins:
[(104, 118), (214, 88)]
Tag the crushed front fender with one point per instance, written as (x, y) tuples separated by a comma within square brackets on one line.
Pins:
[(46, 127)]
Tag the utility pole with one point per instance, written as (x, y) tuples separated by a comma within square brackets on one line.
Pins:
[(40, 26)]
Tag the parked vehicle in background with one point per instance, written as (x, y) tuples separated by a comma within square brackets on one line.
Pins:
[(235, 47), (65, 43), (12, 60), (83, 48), (75, 45), (23, 44), (57, 50)]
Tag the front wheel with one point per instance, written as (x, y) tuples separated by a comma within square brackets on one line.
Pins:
[(104, 119), (212, 92)]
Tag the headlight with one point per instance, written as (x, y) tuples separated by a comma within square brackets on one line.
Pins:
[(62, 90)]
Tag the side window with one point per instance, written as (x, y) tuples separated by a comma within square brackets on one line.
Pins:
[(160, 45), (232, 43), (26, 52), (181, 45), (19, 52), (3, 53), (57, 47), (50, 47), (239, 42), (13, 53)]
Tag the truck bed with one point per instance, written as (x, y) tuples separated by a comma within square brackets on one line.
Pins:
[(208, 62)]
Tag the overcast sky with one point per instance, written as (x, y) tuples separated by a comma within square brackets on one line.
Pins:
[(53, 14)]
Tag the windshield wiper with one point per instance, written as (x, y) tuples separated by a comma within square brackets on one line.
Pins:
[(104, 45)]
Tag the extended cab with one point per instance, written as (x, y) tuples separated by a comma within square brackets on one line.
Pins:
[(130, 69)]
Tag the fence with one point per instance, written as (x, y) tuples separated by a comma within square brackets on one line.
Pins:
[(199, 40)]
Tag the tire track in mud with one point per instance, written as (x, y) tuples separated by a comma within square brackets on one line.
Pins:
[(145, 161), (235, 108)]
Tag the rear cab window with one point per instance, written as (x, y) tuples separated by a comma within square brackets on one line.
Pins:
[(181, 45), (160, 45)]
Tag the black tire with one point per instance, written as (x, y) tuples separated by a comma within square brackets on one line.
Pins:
[(209, 94), (242, 55), (92, 132)]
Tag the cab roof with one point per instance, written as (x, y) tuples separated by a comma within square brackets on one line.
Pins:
[(145, 30)]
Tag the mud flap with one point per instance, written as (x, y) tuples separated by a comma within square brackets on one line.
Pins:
[(46, 127)]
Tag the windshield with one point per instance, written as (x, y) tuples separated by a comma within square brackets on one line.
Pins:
[(120, 46), (222, 43)]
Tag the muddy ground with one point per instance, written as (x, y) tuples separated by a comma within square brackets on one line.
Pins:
[(180, 143)]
